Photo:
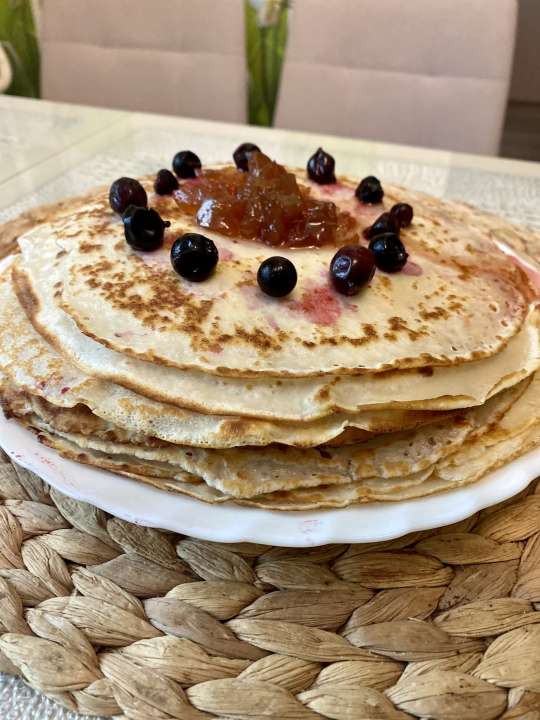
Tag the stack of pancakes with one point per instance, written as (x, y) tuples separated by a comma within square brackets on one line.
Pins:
[(424, 381)]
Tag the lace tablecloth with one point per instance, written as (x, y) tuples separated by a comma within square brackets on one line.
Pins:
[(143, 144)]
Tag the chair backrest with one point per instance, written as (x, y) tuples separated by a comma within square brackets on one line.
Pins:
[(183, 57), (427, 72)]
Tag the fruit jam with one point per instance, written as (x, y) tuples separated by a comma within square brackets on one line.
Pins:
[(265, 203)]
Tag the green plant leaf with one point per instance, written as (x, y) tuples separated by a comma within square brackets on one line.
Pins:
[(18, 38), (265, 51)]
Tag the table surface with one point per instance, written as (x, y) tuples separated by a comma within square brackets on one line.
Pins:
[(50, 150)]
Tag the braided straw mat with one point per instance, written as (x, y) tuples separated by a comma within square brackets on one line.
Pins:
[(110, 618)]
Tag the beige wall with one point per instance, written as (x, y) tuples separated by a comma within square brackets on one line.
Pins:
[(526, 77)]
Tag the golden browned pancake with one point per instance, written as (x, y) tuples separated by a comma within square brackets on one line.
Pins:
[(134, 303)]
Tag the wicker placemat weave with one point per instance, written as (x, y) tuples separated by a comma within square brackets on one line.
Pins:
[(111, 618)]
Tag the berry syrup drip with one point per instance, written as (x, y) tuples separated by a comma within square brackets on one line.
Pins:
[(265, 203)]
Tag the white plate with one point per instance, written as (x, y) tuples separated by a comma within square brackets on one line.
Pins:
[(145, 505)]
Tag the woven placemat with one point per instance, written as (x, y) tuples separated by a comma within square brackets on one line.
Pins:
[(111, 618)]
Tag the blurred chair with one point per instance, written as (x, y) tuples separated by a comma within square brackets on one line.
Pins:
[(182, 57), (423, 73)]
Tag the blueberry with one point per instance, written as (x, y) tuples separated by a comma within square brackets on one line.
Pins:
[(165, 182), (389, 252), (242, 153), (143, 228), (320, 168), (369, 190), (383, 224), (194, 256), (277, 276), (185, 164), (402, 214), (126, 191), (351, 268)]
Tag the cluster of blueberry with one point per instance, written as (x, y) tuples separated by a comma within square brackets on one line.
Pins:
[(194, 256), (354, 265)]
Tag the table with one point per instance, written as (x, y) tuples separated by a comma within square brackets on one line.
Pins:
[(51, 150)]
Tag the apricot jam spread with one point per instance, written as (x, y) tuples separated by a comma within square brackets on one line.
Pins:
[(265, 203)]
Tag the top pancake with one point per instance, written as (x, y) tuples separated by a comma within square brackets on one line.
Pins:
[(465, 300)]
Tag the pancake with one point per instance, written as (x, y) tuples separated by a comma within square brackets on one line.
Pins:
[(12, 230), (398, 489), (317, 399), (336, 496), (36, 368), (225, 326), (247, 472), (468, 464), (296, 399)]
